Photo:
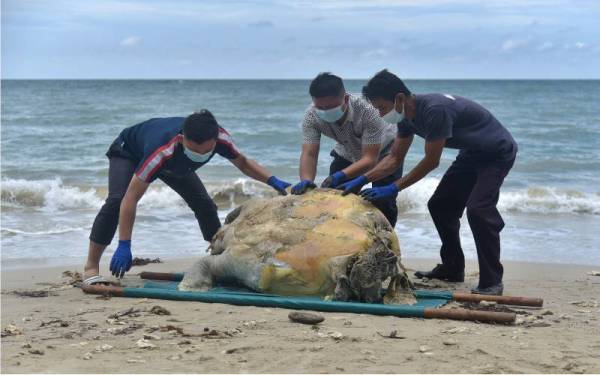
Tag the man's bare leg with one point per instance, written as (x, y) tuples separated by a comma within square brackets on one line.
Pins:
[(92, 265)]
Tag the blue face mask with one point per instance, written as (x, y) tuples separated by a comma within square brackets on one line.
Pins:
[(197, 157), (330, 115)]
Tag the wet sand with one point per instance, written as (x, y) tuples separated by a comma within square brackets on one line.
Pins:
[(57, 328)]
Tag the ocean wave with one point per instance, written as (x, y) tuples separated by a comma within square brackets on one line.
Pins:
[(534, 199), (53, 195), (42, 232)]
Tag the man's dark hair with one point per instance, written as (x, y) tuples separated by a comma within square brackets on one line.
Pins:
[(200, 127), (384, 85), (326, 84)]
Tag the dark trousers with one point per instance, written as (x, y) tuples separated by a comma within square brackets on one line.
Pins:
[(189, 187), (387, 206), (473, 182)]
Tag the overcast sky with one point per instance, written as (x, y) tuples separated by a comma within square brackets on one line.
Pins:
[(297, 39)]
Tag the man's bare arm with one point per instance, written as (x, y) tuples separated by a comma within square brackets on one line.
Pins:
[(368, 160), (431, 160), (136, 189), (392, 161), (308, 161)]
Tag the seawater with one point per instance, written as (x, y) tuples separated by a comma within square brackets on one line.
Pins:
[(54, 172)]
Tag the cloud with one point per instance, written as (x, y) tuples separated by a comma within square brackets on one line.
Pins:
[(545, 46), (580, 45), (261, 24), (512, 44), (131, 41)]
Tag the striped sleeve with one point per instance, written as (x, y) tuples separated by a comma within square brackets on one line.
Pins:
[(225, 145), (152, 163)]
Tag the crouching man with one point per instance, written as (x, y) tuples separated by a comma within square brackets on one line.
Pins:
[(170, 149)]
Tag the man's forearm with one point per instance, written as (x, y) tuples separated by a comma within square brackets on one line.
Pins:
[(386, 167), (358, 168), (256, 171), (127, 217), (308, 167), (417, 173)]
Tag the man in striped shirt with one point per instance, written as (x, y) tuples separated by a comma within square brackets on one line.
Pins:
[(170, 149)]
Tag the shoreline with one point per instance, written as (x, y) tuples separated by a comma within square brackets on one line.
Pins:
[(68, 331)]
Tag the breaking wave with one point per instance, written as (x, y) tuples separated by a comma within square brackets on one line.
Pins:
[(53, 195)]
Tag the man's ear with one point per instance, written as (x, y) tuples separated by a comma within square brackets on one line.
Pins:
[(399, 106)]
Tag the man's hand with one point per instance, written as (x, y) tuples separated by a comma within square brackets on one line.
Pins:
[(121, 260), (334, 180), (278, 185), (381, 192), (353, 186), (302, 187)]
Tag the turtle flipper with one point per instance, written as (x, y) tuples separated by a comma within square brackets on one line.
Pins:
[(199, 277)]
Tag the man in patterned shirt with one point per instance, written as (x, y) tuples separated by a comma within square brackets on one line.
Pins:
[(170, 149), (362, 136)]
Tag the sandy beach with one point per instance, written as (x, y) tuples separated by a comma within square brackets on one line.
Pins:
[(64, 330)]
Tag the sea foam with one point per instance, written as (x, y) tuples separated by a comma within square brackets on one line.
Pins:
[(53, 195)]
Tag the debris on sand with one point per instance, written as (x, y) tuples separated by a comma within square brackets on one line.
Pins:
[(145, 344), (75, 276), (450, 342), (589, 303), (129, 311), (33, 293), (305, 317), (594, 273), (159, 310), (170, 328), (87, 356), (391, 335), (148, 336), (60, 322), (103, 348), (135, 360), (36, 351), (144, 261), (175, 357), (337, 336), (11, 330), (125, 330)]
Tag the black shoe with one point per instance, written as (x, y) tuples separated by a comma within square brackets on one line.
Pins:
[(444, 273), (494, 290)]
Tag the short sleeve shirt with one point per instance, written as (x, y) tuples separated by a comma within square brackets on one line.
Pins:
[(363, 126), (155, 145), (463, 123)]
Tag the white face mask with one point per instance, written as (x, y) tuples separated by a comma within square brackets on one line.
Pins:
[(330, 115), (197, 157), (393, 117)]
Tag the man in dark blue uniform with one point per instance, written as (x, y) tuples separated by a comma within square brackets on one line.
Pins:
[(473, 181), (170, 149)]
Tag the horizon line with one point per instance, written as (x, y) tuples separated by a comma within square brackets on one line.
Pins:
[(292, 79)]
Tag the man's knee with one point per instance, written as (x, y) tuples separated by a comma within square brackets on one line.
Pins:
[(485, 214), (435, 205)]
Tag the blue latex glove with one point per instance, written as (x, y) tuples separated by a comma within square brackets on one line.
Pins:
[(381, 192), (353, 186), (302, 187), (334, 180), (278, 184), (121, 260)]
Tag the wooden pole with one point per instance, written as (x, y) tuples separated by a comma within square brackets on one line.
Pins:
[(473, 315), (168, 276), (110, 290), (505, 300)]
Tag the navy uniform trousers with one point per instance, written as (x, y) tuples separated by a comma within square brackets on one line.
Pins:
[(473, 182), (189, 187)]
